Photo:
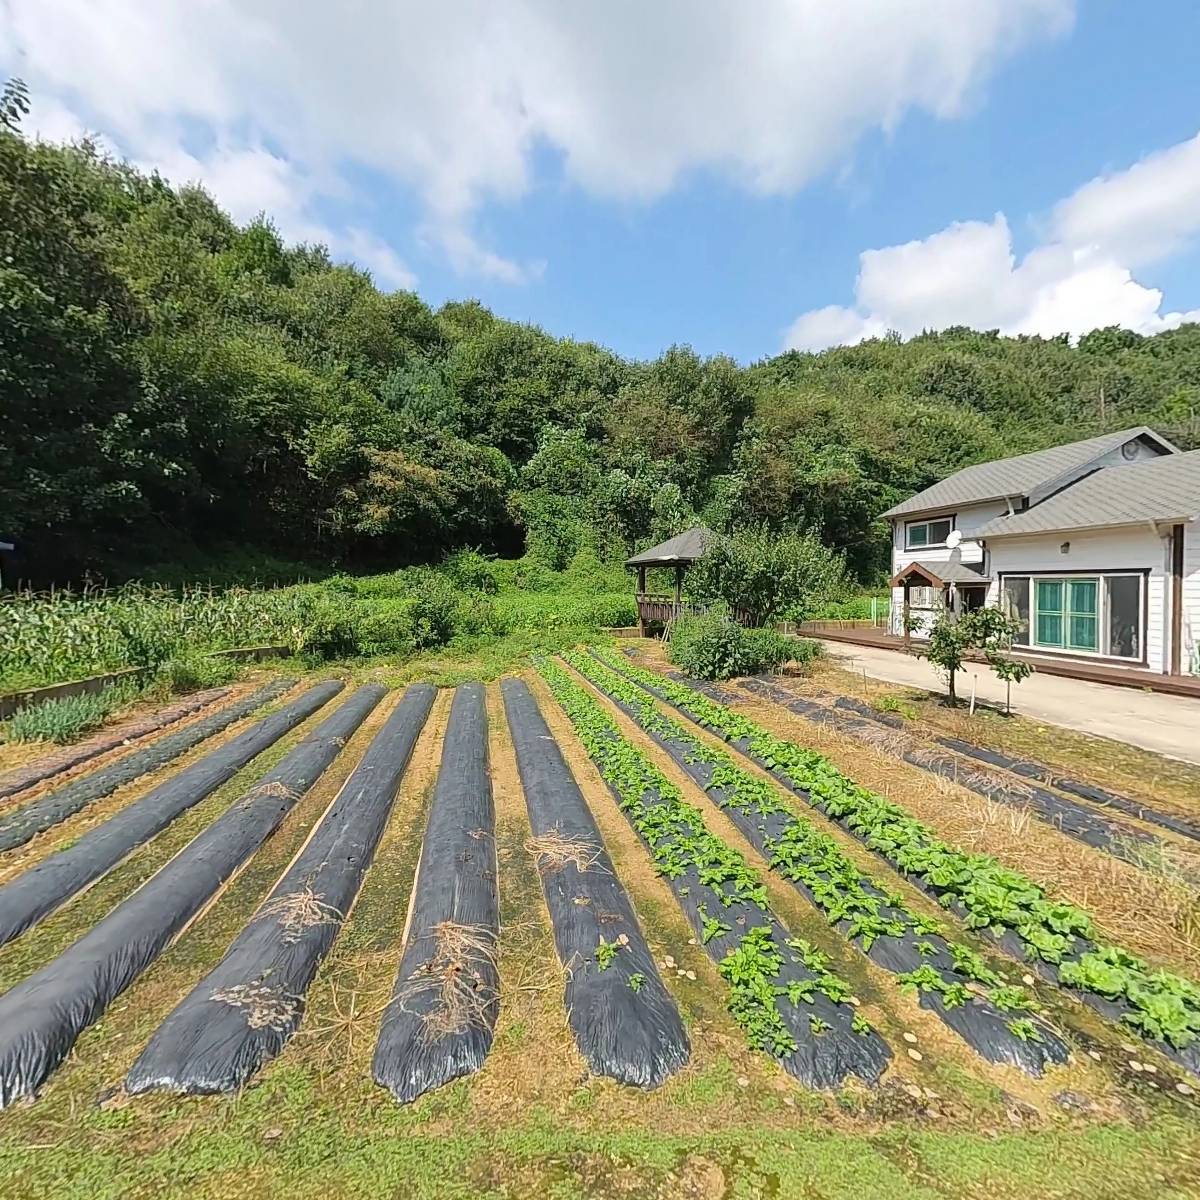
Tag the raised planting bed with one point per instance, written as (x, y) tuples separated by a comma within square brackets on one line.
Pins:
[(58, 762), (46, 886), (1058, 939), (43, 1015), (996, 1017), (783, 995), (1029, 769), (243, 1013), (19, 825), (1076, 820), (11, 702), (624, 1020), (440, 1020)]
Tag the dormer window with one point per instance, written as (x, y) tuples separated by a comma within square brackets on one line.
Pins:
[(927, 535)]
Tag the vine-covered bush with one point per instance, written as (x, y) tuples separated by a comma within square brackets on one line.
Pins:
[(714, 646)]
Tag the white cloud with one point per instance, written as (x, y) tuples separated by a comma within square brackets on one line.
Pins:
[(1140, 215), (453, 100), (1082, 279)]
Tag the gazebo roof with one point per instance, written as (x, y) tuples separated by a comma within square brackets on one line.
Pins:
[(683, 548)]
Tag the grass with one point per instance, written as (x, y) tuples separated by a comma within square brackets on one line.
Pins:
[(69, 717), (1115, 765), (532, 1122)]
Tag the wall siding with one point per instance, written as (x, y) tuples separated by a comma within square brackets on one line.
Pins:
[(1112, 549), (1190, 664), (967, 520)]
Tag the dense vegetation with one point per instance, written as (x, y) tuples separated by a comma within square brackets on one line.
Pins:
[(464, 602), (171, 381)]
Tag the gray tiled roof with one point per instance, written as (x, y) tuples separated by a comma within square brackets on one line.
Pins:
[(1014, 476), (1163, 489), (954, 570), (684, 547)]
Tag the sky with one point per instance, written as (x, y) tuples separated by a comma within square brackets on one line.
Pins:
[(743, 177)]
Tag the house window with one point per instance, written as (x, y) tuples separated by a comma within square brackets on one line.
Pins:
[(920, 535), (921, 596), (1080, 614)]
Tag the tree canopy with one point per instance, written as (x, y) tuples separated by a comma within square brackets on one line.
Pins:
[(171, 379)]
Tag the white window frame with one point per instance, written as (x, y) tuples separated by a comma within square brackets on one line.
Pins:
[(909, 526), (1102, 625)]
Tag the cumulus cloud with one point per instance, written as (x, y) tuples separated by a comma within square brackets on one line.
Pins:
[(1078, 280), (454, 101), (1139, 215)]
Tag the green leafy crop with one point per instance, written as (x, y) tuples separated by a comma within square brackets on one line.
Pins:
[(993, 898)]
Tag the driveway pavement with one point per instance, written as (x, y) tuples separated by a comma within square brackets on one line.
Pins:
[(1168, 725)]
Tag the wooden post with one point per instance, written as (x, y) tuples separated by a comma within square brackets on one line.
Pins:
[(907, 631), (678, 588), (641, 591), (1176, 599)]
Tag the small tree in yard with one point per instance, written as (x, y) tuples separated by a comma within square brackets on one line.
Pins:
[(767, 575), (986, 629)]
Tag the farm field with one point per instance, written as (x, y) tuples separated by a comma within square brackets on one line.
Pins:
[(289, 933)]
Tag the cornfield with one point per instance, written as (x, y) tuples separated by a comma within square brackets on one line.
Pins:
[(55, 636)]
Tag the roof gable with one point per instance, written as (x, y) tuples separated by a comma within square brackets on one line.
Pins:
[(1166, 489), (684, 547), (1038, 472)]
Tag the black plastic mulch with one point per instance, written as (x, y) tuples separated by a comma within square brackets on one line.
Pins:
[(48, 885), (633, 1034), (978, 1022), (21, 824), (243, 1013), (822, 1060), (20, 779), (1009, 941), (442, 1015), (1029, 769), (43, 1015), (1075, 820)]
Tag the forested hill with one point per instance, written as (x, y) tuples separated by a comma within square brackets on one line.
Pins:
[(171, 382)]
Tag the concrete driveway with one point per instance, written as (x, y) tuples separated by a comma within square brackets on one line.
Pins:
[(1168, 725)]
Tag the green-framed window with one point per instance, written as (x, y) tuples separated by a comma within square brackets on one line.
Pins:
[(1081, 614)]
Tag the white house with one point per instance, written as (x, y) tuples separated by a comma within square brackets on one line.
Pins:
[(1095, 546)]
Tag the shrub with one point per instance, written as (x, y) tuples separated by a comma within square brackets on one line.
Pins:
[(65, 719), (189, 672), (769, 575), (715, 647), (471, 571), (434, 608), (382, 626)]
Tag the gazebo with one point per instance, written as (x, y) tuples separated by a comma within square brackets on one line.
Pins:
[(679, 552)]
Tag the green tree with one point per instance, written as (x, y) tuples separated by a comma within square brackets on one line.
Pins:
[(768, 575)]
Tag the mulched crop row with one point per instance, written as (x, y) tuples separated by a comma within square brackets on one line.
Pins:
[(787, 1001), (243, 1013), (43, 1015), (441, 1018), (20, 825), (624, 1020)]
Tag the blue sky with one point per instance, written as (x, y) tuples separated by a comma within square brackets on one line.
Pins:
[(641, 178)]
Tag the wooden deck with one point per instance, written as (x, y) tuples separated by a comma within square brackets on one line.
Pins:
[(1174, 685)]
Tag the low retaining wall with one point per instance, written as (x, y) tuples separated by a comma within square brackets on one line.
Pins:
[(14, 701)]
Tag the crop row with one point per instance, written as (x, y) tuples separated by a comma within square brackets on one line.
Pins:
[(1061, 939), (770, 975), (951, 978), (64, 635)]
